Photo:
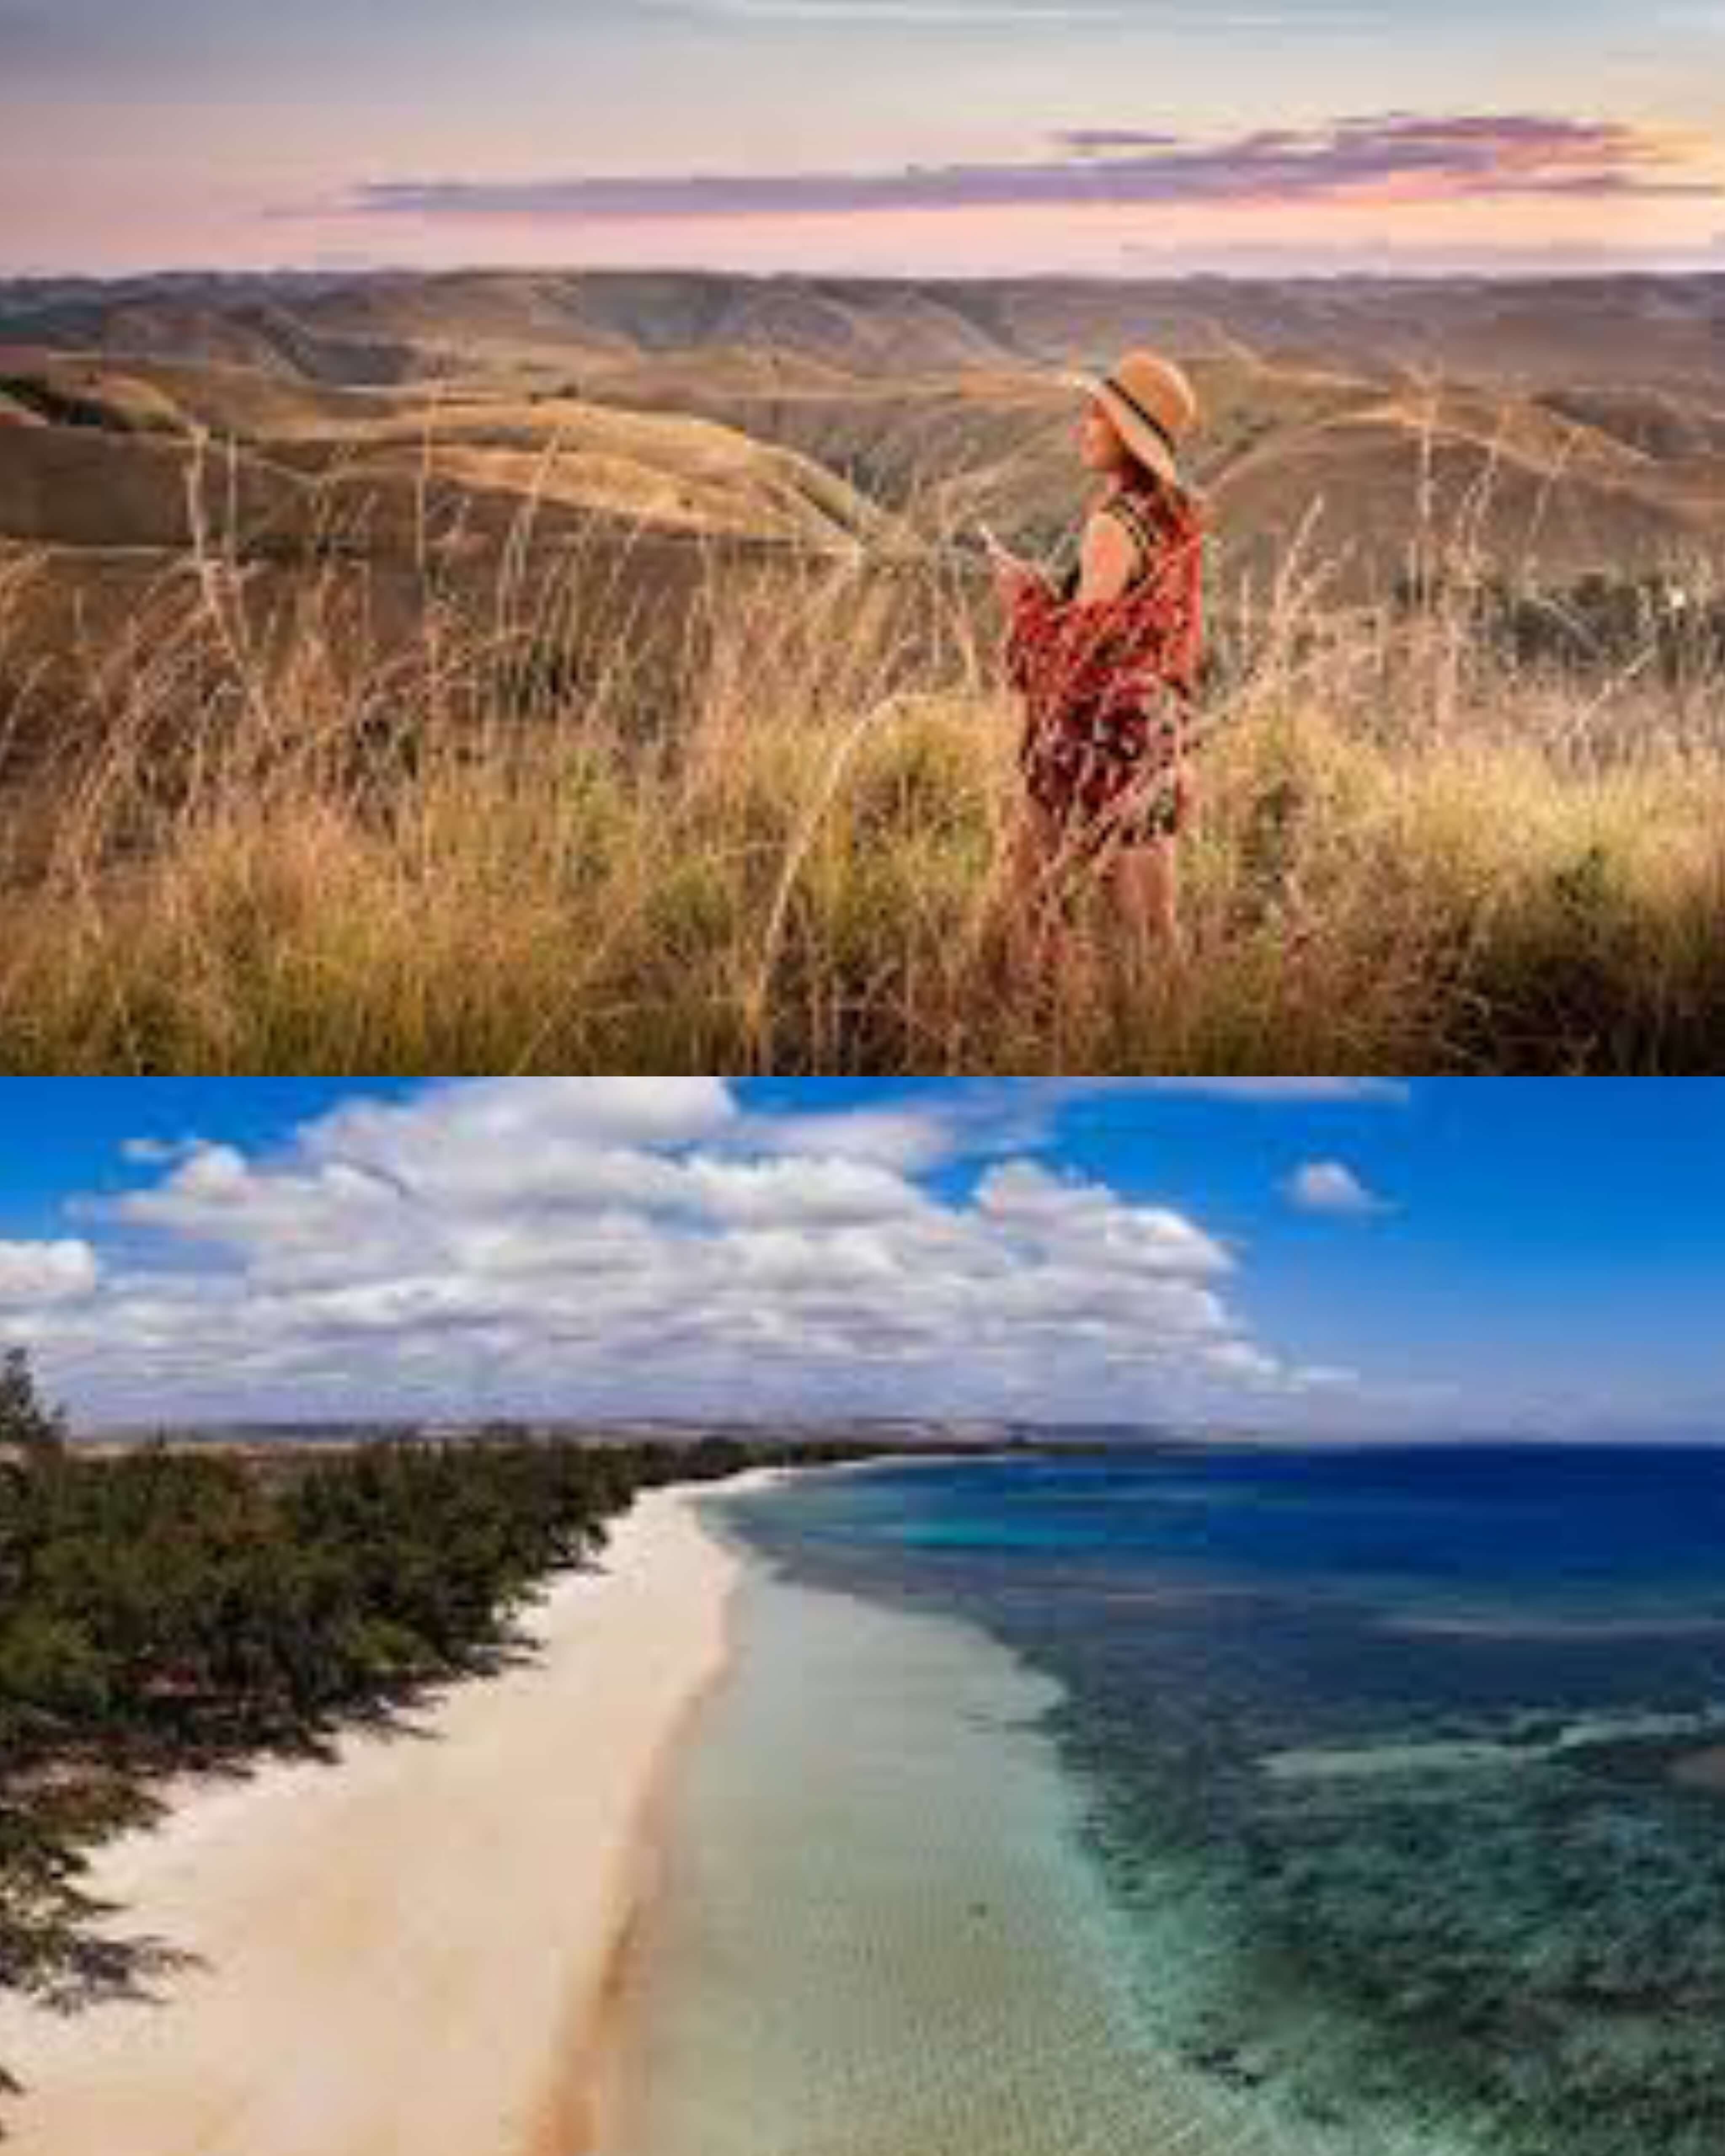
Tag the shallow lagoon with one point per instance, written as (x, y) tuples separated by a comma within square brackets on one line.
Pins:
[(877, 1930), (1325, 1801)]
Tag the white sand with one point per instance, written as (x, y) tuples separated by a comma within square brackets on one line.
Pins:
[(405, 1952)]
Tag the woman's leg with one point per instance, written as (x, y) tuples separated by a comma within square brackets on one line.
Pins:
[(1037, 872), (1144, 885)]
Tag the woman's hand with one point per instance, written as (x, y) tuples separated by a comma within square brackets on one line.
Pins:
[(1013, 575)]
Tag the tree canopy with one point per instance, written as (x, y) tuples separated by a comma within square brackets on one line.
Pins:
[(167, 1605)]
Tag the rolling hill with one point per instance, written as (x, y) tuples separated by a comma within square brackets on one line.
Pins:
[(1553, 428), (106, 460), (397, 327)]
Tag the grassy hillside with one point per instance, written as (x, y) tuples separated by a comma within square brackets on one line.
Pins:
[(531, 670), (119, 456), (771, 448), (1481, 833), (1544, 499), (397, 326), (128, 390), (1583, 419)]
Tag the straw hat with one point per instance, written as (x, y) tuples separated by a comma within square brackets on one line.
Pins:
[(1152, 404)]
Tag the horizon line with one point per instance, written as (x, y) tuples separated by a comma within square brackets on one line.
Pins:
[(1367, 272), (988, 1431)]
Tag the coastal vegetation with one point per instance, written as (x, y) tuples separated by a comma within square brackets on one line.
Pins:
[(169, 1607)]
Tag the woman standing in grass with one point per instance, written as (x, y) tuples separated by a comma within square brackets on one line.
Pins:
[(1106, 662)]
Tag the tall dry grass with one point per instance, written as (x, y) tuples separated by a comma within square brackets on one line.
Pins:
[(506, 842)]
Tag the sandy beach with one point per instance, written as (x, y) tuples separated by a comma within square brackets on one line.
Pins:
[(402, 1954)]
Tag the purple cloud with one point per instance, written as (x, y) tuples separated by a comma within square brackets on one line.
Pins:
[(1094, 141), (1385, 157)]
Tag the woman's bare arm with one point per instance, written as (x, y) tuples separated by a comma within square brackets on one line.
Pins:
[(1107, 560)]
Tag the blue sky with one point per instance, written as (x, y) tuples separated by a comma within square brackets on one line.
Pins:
[(861, 135), (1442, 1255)]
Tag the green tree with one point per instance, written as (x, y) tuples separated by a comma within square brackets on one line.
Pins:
[(30, 1428), (51, 1675)]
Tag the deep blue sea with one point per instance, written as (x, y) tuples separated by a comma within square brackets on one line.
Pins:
[(1404, 1770)]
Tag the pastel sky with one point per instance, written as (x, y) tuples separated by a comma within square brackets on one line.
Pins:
[(1115, 136), (1442, 1257)]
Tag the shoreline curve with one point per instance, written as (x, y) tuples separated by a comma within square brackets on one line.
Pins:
[(405, 1952)]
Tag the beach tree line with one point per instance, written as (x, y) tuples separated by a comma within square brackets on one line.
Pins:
[(164, 1606)]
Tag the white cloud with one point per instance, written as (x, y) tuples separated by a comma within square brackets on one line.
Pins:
[(1270, 1092), (1323, 1378), (151, 1153), (1020, 1195), (996, 1118), (1250, 1092), (509, 1113), (649, 1244), (1330, 1186), (903, 1137), (1243, 1360), (828, 1191), (39, 1273)]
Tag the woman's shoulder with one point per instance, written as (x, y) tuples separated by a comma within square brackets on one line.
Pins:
[(1112, 520), (1154, 521), (1153, 517), (1123, 518)]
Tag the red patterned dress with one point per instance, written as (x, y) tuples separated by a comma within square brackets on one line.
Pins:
[(1108, 684)]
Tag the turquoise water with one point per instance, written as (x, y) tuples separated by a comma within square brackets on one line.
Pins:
[(878, 1932), (1320, 1802)]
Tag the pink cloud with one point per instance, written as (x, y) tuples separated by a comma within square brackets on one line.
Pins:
[(1384, 159)]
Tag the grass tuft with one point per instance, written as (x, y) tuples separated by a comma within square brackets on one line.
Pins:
[(506, 843)]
